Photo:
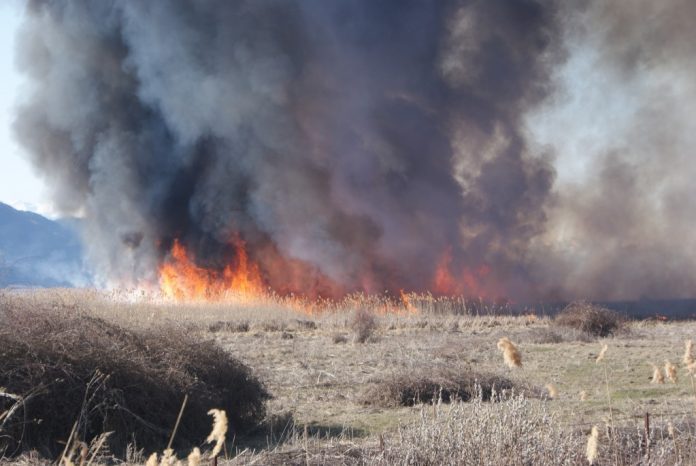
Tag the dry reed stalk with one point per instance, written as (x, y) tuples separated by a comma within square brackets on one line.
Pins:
[(592, 445), (603, 351), (511, 354), (671, 371), (217, 435), (657, 376), (688, 358), (97, 446)]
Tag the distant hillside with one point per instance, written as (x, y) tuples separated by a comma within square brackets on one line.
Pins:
[(36, 251)]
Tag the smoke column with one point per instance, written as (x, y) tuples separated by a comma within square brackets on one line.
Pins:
[(371, 145)]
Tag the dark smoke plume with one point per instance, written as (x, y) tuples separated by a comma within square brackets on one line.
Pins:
[(353, 145)]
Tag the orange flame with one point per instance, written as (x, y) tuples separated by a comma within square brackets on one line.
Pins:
[(468, 282), (183, 280)]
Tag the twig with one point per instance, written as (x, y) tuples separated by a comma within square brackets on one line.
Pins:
[(178, 419)]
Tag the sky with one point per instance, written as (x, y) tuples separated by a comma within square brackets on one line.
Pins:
[(19, 185)]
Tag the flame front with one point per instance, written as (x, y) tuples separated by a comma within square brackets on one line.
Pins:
[(181, 279)]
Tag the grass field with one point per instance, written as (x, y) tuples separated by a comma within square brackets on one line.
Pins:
[(333, 372)]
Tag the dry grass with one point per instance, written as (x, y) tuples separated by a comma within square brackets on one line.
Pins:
[(319, 414), (72, 368)]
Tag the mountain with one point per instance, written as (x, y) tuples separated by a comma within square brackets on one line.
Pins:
[(37, 251)]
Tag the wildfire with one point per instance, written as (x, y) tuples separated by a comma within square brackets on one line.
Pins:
[(468, 282), (183, 280), (294, 283)]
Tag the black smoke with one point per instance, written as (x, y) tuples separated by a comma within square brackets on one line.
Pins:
[(350, 144)]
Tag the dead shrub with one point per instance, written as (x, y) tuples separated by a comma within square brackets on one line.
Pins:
[(364, 324), (591, 319), (412, 388), (71, 368)]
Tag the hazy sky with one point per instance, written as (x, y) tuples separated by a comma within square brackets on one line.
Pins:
[(19, 186)]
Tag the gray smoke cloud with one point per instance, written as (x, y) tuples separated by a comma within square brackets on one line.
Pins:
[(538, 149), (621, 122)]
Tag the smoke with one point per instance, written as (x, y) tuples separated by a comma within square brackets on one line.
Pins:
[(621, 224), (529, 149), (353, 145)]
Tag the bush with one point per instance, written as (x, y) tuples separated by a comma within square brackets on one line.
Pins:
[(591, 319), (363, 324), (73, 368), (445, 386)]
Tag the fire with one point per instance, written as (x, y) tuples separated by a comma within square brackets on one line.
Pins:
[(183, 280), (300, 286), (467, 282)]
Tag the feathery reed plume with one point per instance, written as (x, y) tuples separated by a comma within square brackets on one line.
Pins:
[(691, 368), (168, 457), (152, 460), (583, 395), (657, 376), (671, 371), (219, 430), (511, 354), (552, 390), (602, 353), (194, 458), (688, 358), (592, 445)]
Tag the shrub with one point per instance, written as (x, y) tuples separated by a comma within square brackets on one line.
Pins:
[(363, 323), (412, 388), (591, 319), (73, 368)]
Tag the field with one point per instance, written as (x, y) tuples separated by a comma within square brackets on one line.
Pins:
[(377, 381)]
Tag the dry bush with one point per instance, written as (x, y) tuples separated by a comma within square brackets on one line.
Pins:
[(73, 368), (364, 324), (416, 387), (591, 319)]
